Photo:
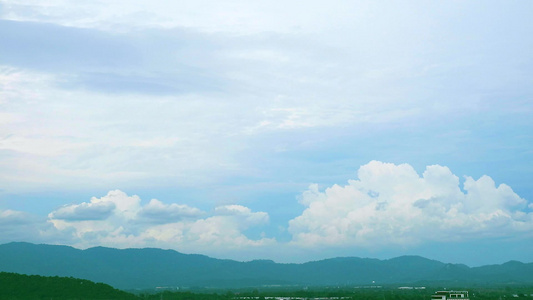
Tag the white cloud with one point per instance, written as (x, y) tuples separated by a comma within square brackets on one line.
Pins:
[(101, 216), (158, 212), (213, 235), (84, 211), (392, 205), (119, 220), (126, 206), (226, 231), (243, 213), (484, 196)]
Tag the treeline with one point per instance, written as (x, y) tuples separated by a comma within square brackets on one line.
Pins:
[(28, 287)]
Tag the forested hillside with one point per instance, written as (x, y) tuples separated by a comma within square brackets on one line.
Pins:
[(149, 268), (29, 287), (26, 287)]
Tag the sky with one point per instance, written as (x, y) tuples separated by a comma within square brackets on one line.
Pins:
[(283, 130)]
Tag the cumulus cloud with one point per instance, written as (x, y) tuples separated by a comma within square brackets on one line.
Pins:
[(213, 234), (158, 212), (226, 231), (120, 220), (84, 211), (242, 213), (116, 202), (87, 222), (392, 205)]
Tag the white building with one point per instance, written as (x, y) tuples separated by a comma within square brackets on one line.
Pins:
[(450, 295)]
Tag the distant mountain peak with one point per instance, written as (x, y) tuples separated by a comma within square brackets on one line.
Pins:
[(262, 261)]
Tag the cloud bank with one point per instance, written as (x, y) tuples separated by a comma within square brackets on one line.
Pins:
[(392, 205), (387, 206), (120, 220)]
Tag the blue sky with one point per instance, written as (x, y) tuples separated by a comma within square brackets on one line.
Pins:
[(292, 131)]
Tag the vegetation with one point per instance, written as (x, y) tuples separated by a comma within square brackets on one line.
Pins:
[(27, 287), (360, 293)]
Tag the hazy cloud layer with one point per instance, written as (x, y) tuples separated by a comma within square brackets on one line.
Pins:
[(392, 205), (23, 226), (11, 217), (147, 62), (147, 94)]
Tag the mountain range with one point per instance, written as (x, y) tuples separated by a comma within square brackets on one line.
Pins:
[(149, 268)]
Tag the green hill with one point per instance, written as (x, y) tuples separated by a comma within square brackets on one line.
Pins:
[(26, 287)]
